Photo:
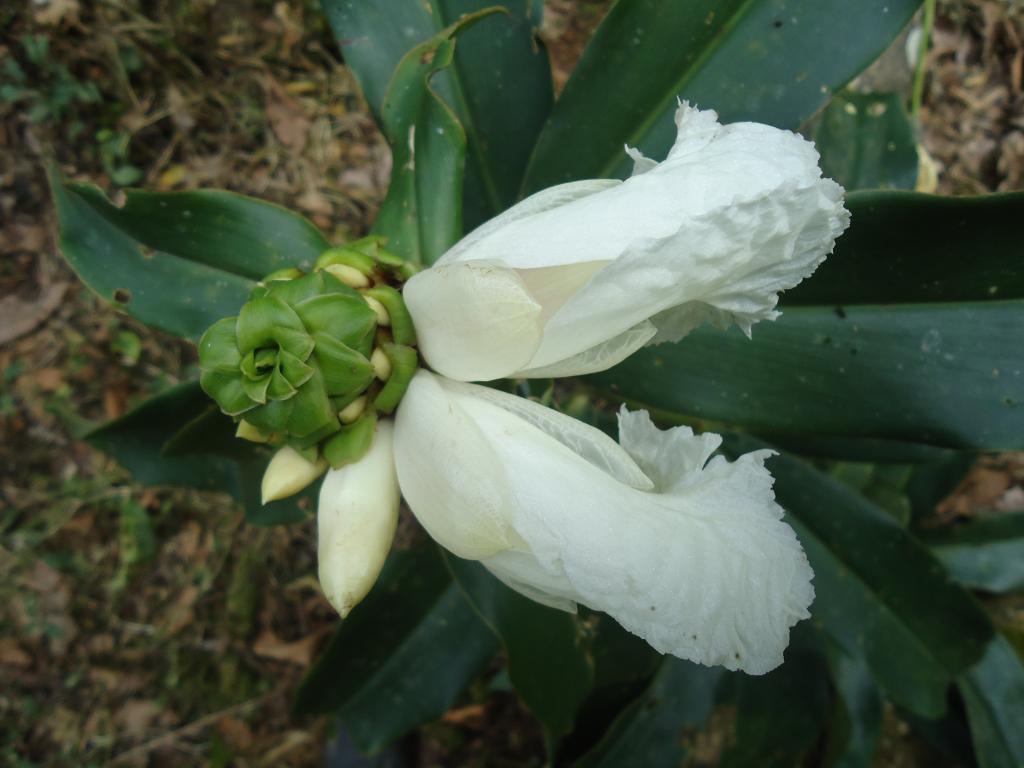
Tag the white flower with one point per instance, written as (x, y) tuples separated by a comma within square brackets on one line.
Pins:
[(687, 551), (689, 554), (576, 278)]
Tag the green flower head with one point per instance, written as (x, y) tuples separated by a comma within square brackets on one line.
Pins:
[(311, 358)]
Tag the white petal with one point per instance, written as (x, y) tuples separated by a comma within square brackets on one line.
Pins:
[(477, 243), (586, 442), (552, 287), (734, 215), (641, 164), (449, 473), (704, 569), (356, 519), (598, 358), (474, 321), (520, 571)]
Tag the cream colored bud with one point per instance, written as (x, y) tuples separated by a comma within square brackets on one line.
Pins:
[(383, 318), (381, 364), (289, 472), (350, 276), (356, 520), (353, 410), (247, 431)]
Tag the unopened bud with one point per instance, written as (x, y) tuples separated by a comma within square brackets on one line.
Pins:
[(288, 473), (383, 318), (403, 361), (402, 330), (353, 410), (381, 365), (356, 520), (288, 273), (247, 431), (350, 276)]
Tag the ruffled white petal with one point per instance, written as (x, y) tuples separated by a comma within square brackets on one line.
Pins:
[(734, 215), (356, 519), (701, 566)]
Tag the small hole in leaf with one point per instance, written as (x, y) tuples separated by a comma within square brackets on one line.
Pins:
[(777, 24), (840, 313), (122, 296)]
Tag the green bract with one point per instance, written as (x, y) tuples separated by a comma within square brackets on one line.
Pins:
[(298, 353)]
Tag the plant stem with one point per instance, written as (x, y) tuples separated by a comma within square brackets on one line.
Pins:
[(922, 51)]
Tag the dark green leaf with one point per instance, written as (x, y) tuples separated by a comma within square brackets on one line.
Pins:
[(986, 553), (934, 479), (649, 732), (422, 213), (618, 655), (136, 440), (771, 61), (947, 736), (779, 715), (904, 247), (879, 593), (156, 442), (230, 232), (178, 261), (993, 691), (287, 511), (940, 374), (545, 662), (863, 449), (857, 719), (209, 432), (499, 85), (403, 655), (623, 667), (160, 289), (866, 142)]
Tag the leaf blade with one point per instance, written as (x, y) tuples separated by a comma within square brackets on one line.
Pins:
[(389, 667), (736, 56), (880, 594), (546, 664)]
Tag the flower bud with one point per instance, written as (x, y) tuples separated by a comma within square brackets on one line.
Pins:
[(312, 359), (247, 431), (356, 520), (289, 472), (295, 346)]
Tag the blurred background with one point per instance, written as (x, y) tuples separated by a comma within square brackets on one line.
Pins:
[(152, 626)]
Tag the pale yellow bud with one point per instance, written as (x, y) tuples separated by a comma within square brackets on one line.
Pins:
[(350, 276), (289, 472), (247, 431), (356, 520), (383, 318), (353, 410), (381, 364)]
